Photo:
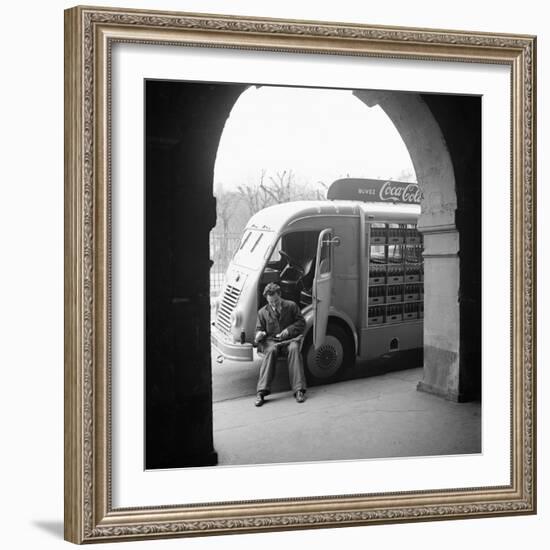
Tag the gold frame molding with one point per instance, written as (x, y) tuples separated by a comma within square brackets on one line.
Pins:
[(89, 34)]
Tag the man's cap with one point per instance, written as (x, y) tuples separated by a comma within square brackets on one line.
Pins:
[(272, 288)]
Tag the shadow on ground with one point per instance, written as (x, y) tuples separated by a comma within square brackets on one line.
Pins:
[(52, 527)]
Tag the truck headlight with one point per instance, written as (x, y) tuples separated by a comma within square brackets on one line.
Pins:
[(236, 318)]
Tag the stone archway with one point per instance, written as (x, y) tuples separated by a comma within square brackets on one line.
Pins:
[(184, 123)]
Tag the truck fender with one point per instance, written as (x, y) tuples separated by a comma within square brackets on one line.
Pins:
[(333, 313)]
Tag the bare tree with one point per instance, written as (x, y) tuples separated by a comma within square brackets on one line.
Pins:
[(279, 188), (255, 195), (226, 203), (321, 195)]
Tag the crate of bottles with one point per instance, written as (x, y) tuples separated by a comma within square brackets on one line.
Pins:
[(412, 275), (376, 315), (377, 295), (394, 314), (377, 275), (395, 235), (395, 294), (412, 293), (410, 311), (395, 275), (378, 235)]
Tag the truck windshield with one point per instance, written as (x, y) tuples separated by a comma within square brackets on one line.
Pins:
[(252, 250)]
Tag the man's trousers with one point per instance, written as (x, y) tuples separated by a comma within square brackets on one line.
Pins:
[(274, 350)]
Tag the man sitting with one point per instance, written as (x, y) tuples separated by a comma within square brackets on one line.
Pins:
[(279, 332)]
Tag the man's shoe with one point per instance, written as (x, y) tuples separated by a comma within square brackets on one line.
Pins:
[(259, 400), (300, 396)]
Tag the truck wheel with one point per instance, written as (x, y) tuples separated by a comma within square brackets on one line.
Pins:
[(328, 363)]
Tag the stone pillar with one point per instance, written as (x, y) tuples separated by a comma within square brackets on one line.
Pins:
[(459, 119), (184, 122), (441, 313)]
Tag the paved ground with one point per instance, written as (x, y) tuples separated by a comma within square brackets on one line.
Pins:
[(365, 417)]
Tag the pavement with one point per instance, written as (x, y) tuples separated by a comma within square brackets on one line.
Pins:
[(369, 416)]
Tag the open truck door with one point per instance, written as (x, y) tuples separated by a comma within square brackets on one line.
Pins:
[(322, 287), (328, 348)]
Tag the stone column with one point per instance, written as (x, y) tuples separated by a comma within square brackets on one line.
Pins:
[(441, 312), (184, 122)]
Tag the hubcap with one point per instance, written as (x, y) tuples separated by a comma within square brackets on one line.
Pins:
[(326, 357), (326, 360)]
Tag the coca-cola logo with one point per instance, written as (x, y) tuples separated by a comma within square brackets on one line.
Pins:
[(401, 193), (370, 190)]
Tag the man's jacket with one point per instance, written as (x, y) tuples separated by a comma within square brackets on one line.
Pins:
[(290, 318)]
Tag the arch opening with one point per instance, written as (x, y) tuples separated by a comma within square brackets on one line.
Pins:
[(281, 144)]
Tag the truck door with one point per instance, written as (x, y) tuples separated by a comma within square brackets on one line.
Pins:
[(322, 287)]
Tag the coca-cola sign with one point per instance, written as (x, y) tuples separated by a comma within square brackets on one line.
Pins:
[(396, 191), (367, 190)]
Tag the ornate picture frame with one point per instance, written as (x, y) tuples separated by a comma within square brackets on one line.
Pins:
[(90, 34)]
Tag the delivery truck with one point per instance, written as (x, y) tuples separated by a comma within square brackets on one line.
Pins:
[(354, 265)]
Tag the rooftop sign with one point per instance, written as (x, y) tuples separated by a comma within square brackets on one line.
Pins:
[(366, 190)]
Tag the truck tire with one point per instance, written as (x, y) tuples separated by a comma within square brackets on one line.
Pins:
[(327, 364)]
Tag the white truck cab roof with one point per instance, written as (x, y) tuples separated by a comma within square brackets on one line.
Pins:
[(276, 217)]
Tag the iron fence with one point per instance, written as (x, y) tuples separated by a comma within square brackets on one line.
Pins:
[(222, 248)]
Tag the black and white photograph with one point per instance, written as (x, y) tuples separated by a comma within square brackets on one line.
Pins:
[(336, 236)]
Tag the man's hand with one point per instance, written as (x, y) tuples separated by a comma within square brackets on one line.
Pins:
[(283, 335), (260, 335)]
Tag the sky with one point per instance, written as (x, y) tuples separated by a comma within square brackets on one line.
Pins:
[(319, 134)]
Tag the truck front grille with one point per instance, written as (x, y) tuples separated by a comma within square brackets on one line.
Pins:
[(227, 305)]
